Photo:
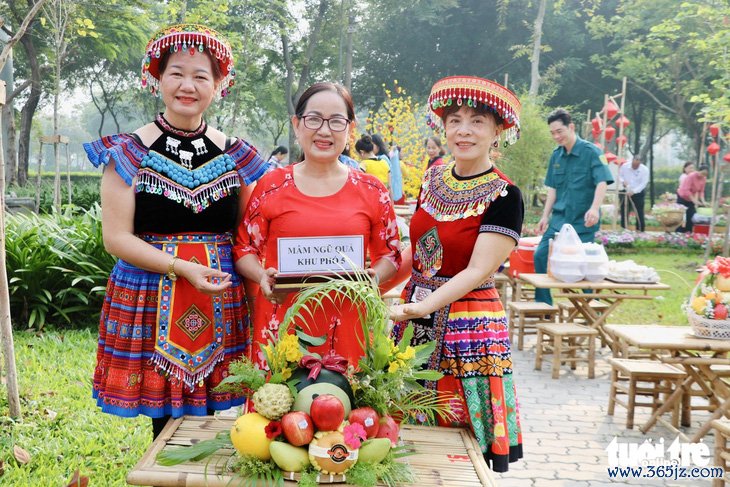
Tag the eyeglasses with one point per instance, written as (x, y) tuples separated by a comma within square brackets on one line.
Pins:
[(315, 122)]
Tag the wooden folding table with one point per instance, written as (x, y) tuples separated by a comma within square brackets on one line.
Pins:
[(696, 355), (581, 293)]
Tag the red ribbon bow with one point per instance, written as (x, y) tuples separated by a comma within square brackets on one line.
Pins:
[(330, 361)]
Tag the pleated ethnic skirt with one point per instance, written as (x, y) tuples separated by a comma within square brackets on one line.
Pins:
[(132, 377), (473, 352)]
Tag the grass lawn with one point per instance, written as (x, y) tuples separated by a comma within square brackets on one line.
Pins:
[(63, 431)]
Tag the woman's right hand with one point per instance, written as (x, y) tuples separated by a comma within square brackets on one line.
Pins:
[(267, 286), (203, 278)]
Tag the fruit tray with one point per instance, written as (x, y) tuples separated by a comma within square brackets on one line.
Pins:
[(444, 456)]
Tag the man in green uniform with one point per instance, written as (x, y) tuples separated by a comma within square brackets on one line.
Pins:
[(576, 179)]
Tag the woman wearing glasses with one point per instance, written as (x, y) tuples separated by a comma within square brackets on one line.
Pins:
[(319, 197)]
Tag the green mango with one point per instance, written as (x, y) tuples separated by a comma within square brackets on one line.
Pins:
[(374, 450), (288, 457)]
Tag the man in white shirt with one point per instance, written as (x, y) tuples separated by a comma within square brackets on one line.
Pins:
[(634, 178)]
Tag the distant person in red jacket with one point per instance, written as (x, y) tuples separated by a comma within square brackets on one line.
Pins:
[(435, 152), (691, 193)]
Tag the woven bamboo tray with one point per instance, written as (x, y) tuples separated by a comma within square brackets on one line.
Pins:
[(445, 457)]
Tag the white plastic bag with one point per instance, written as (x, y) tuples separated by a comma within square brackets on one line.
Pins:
[(596, 262), (567, 261)]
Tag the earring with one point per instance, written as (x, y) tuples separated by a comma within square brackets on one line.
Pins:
[(495, 144)]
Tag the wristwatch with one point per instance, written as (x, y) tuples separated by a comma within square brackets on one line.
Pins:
[(171, 269)]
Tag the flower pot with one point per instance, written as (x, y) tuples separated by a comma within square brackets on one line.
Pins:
[(671, 219)]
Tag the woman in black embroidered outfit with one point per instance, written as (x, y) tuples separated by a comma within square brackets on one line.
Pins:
[(468, 219), (174, 314)]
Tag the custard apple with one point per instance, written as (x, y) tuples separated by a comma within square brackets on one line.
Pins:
[(273, 401)]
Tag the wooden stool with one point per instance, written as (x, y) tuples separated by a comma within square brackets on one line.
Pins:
[(664, 379), (563, 340), (524, 316), (502, 284), (710, 403), (722, 453), (569, 314)]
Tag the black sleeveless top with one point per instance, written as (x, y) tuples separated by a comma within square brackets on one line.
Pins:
[(176, 155)]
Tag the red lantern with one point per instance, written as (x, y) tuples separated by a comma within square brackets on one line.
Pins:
[(596, 134), (597, 124), (714, 130), (713, 148), (610, 156), (610, 132), (599, 145), (621, 140), (726, 157), (610, 109), (622, 122)]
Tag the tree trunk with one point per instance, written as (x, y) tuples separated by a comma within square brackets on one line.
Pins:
[(347, 79), (537, 44), (6, 328), (638, 122), (38, 180), (56, 158), (28, 111), (11, 155), (650, 142), (68, 177), (288, 91)]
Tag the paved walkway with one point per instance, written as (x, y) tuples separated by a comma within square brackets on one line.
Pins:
[(566, 428)]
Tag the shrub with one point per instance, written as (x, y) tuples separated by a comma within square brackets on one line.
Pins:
[(57, 266), (85, 192)]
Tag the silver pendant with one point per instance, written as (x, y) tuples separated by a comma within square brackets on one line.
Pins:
[(199, 145), (186, 159), (171, 145)]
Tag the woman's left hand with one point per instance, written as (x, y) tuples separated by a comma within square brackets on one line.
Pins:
[(203, 278), (408, 311)]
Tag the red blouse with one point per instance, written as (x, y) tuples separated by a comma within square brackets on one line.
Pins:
[(452, 212), (278, 209)]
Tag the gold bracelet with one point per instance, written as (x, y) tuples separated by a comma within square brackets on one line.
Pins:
[(171, 269)]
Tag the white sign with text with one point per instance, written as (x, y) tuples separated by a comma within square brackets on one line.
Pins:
[(312, 255)]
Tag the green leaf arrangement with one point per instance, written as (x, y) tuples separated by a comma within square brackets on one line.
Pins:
[(258, 473), (195, 452), (389, 376)]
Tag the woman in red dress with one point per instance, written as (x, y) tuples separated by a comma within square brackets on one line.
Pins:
[(468, 219), (319, 197)]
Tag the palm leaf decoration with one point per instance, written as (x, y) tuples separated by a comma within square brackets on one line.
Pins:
[(355, 287), (196, 452), (399, 392)]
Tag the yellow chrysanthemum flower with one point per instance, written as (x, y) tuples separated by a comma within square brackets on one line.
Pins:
[(408, 354), (394, 366)]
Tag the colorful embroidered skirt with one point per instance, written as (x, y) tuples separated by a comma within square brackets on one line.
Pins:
[(473, 353), (163, 346)]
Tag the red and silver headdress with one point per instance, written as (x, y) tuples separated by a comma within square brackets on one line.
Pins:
[(473, 91), (187, 37)]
